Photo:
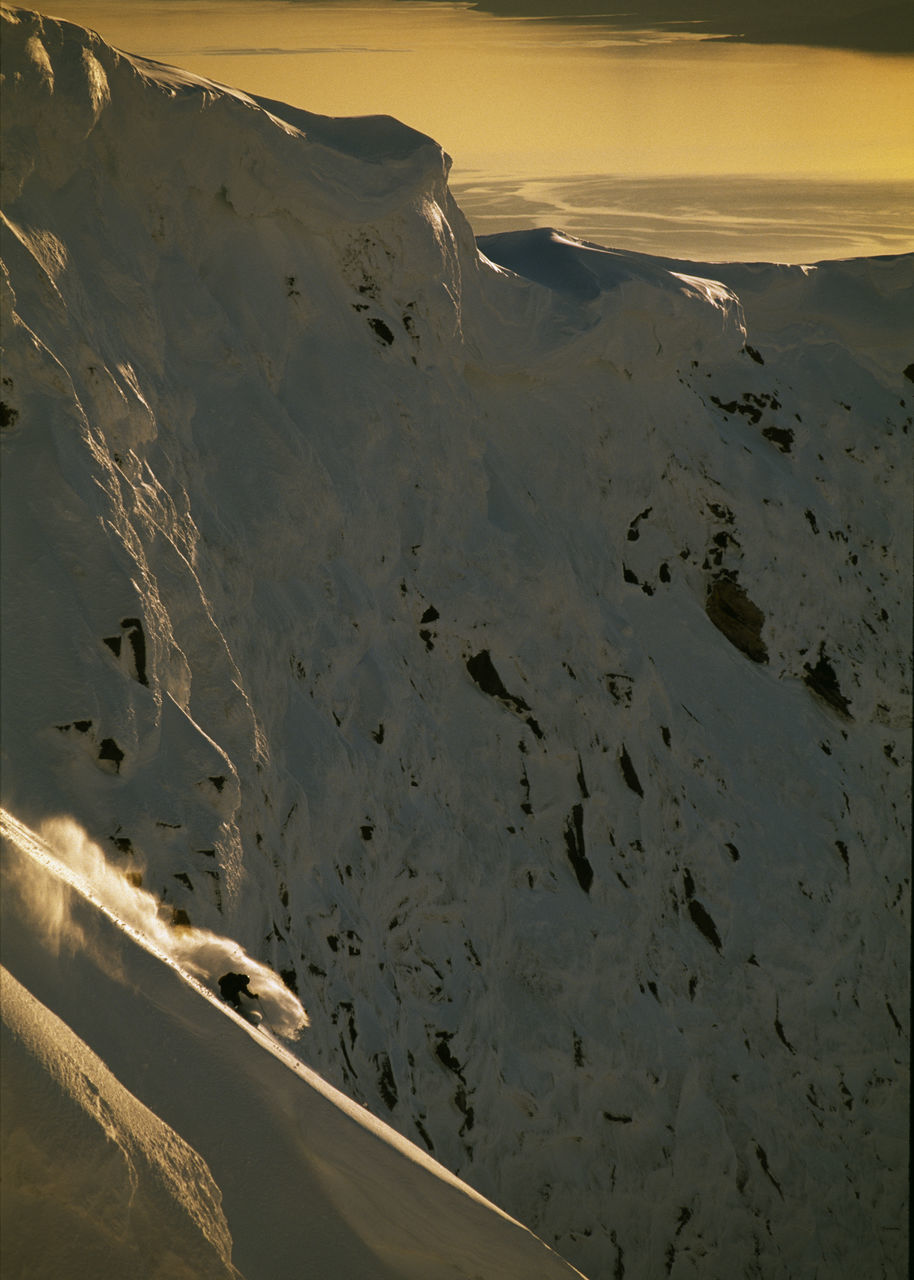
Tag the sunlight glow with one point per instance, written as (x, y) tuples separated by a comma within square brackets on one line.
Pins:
[(525, 100)]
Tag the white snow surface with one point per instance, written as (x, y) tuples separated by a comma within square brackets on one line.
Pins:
[(510, 649)]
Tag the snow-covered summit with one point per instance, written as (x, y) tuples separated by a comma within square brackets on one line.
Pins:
[(586, 270), (510, 649)]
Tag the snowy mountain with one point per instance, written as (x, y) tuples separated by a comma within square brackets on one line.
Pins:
[(507, 645)]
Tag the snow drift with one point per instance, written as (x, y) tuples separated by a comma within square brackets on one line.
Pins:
[(510, 649)]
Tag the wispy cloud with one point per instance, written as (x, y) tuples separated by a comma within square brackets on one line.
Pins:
[(268, 51)]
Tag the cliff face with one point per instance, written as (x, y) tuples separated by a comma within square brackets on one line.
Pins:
[(513, 656)]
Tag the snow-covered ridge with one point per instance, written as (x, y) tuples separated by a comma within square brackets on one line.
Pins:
[(511, 650)]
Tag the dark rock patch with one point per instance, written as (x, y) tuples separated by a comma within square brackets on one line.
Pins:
[(737, 618), (381, 330), (81, 726), (704, 924), (780, 1031), (526, 805), (137, 639), (423, 1134), (460, 1102), (387, 1085), (574, 843), (750, 406), (781, 436), (823, 681), (733, 406), (444, 1055), (619, 692), (482, 669), (763, 1161), (109, 750), (628, 773), (8, 416), (633, 533)]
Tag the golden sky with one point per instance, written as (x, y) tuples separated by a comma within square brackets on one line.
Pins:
[(526, 96), (727, 150)]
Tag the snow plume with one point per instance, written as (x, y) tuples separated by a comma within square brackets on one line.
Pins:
[(79, 864)]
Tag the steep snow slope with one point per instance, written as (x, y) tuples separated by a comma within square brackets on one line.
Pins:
[(514, 656), (281, 1176)]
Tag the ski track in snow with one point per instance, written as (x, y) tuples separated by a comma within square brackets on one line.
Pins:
[(506, 644)]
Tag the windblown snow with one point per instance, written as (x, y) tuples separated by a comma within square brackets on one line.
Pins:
[(500, 652)]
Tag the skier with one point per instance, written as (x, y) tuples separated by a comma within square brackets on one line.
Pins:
[(232, 986)]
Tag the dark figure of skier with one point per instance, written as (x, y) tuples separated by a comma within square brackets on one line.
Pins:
[(234, 985)]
